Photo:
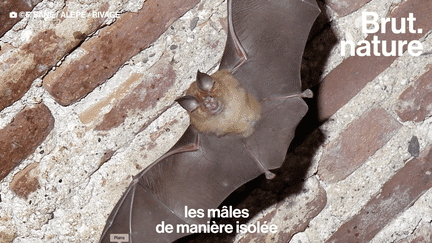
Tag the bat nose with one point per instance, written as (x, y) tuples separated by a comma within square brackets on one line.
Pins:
[(212, 104)]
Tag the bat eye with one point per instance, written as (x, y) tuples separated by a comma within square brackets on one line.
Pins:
[(188, 102), (204, 81)]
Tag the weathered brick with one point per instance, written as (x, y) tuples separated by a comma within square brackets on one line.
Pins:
[(17, 6), (26, 181), (114, 45), (291, 215), (37, 56), (415, 102), (344, 7), (8, 236), (145, 95), (93, 113), (21, 137), (361, 139), (422, 234), (347, 79), (397, 194), (295, 207)]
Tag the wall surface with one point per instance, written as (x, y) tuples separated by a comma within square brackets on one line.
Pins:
[(87, 102)]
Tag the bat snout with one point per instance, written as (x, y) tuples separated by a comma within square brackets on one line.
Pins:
[(213, 105)]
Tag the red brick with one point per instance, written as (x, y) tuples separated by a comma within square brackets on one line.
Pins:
[(17, 6), (115, 44), (344, 7), (361, 139), (144, 96), (397, 194), (415, 102), (303, 207), (35, 59), (21, 137), (93, 113), (26, 181), (347, 79)]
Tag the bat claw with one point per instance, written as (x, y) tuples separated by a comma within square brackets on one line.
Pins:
[(269, 175), (307, 94)]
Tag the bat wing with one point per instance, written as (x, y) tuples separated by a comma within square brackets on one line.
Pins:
[(275, 130), (198, 173), (265, 44), (264, 50)]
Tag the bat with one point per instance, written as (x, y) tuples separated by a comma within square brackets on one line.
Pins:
[(242, 120)]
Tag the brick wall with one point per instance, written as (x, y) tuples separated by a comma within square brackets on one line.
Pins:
[(86, 103)]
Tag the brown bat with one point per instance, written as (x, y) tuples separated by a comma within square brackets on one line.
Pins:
[(243, 118)]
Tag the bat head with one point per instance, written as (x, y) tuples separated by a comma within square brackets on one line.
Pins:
[(217, 104)]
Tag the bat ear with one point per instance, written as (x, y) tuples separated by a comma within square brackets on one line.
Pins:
[(188, 102), (204, 81)]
